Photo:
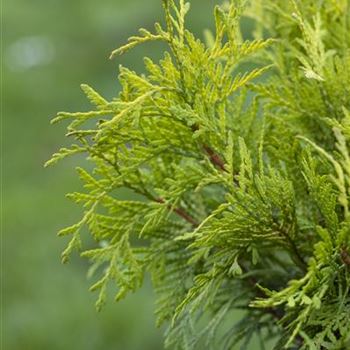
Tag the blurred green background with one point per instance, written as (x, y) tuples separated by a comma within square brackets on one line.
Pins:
[(51, 47)]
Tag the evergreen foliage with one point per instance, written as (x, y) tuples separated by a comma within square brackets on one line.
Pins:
[(238, 152)]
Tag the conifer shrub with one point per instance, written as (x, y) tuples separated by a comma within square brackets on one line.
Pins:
[(237, 152)]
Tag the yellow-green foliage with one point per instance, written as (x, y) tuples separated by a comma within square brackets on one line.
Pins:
[(242, 177)]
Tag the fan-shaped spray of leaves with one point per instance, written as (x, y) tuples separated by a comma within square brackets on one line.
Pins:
[(242, 184)]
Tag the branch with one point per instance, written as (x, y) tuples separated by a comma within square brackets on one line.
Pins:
[(215, 158), (180, 212)]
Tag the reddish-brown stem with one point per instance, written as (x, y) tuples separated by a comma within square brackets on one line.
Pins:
[(180, 212), (214, 158), (212, 155), (345, 256)]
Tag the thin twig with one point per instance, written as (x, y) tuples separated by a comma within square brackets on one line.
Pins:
[(181, 212), (214, 158)]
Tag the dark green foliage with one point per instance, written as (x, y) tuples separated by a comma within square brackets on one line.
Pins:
[(243, 183)]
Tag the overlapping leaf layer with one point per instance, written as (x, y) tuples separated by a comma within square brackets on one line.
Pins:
[(237, 153)]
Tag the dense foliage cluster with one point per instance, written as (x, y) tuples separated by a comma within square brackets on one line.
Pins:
[(237, 153)]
